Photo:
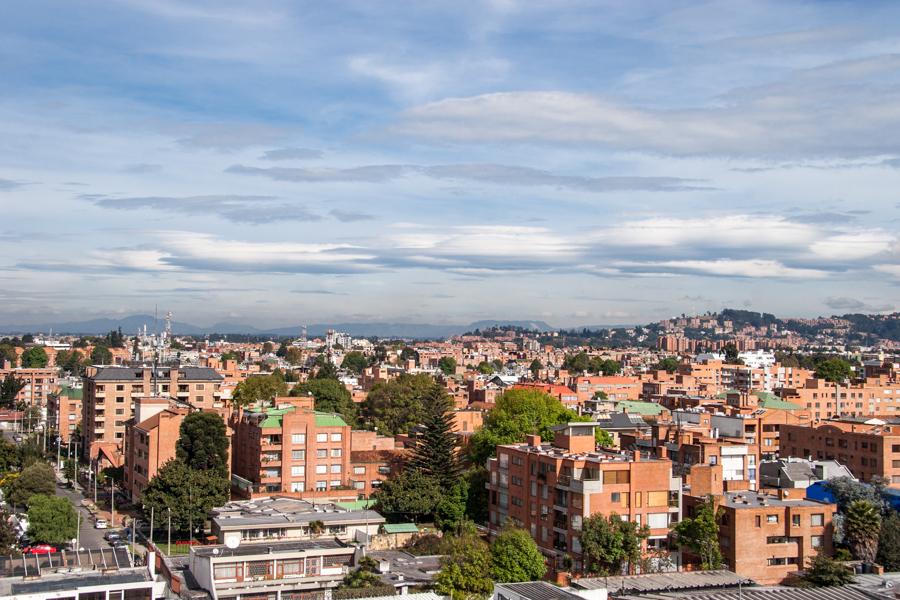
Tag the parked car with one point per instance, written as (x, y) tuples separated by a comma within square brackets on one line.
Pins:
[(39, 549), (112, 536), (101, 524)]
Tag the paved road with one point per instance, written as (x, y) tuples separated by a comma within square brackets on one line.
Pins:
[(89, 537)]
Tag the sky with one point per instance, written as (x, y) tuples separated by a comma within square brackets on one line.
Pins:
[(283, 162)]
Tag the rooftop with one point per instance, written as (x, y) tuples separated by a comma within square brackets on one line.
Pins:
[(749, 499), (248, 549), (71, 581), (276, 511), (132, 374), (273, 418), (537, 590), (663, 582)]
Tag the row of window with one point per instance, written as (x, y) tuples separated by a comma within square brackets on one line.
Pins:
[(300, 438)]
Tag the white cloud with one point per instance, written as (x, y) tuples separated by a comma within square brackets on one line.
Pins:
[(853, 246), (754, 268)]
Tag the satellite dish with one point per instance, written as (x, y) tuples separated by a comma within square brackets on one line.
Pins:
[(215, 551), (232, 542)]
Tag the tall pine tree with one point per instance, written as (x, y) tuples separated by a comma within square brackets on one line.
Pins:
[(435, 452)]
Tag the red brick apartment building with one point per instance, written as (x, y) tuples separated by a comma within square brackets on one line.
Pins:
[(110, 394), (869, 448), (763, 537), (549, 489), (297, 450), (39, 383), (64, 411), (874, 397), (151, 438), (615, 387)]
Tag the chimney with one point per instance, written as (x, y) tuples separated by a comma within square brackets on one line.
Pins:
[(533, 440), (637, 456)]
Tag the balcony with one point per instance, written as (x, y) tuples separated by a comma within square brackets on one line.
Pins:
[(586, 486)]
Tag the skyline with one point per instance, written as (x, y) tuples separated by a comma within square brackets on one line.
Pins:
[(592, 163)]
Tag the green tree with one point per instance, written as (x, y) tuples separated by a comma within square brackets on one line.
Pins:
[(515, 557), (447, 365), (230, 355), (604, 366), (203, 442), (325, 368), (257, 390), (435, 451), (604, 438), (101, 355), (355, 361), (330, 396), (450, 511), (516, 414), (834, 370), (412, 495), (408, 353), (536, 367), (889, 542), (610, 545), (700, 535), (465, 569), (9, 389), (8, 352), (268, 348), (847, 490), (10, 458), (8, 536), (731, 354), (862, 527), (37, 478), (668, 364), (51, 519), (485, 368), (476, 479), (395, 406), (189, 493), (364, 576), (577, 363), (824, 571), (70, 361), (35, 358)]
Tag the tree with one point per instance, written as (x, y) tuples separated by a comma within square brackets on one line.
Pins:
[(412, 494), (465, 569), (847, 490), (862, 526), (258, 389), (70, 361), (189, 493), (516, 414), (611, 545), (889, 542), (476, 479), (450, 511), (536, 367), (8, 352), (355, 361), (10, 457), (51, 519), (834, 370), (363, 576), (9, 537), (9, 389), (485, 368), (35, 358), (37, 478), (700, 535), (101, 355), (203, 442), (395, 406), (268, 348), (515, 557), (115, 339), (408, 353), (604, 366), (326, 368), (330, 396), (435, 451), (668, 364), (578, 363), (604, 438), (824, 571), (447, 365), (731, 354)]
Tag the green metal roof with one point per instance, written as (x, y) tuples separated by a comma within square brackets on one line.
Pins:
[(779, 404), (329, 420), (400, 528), (640, 408), (356, 504), (273, 417), (70, 392)]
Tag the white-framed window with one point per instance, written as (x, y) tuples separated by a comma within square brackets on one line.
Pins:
[(336, 437), (335, 453), (335, 468), (298, 470), (335, 483), (298, 438), (359, 470), (321, 469), (298, 454), (297, 486), (321, 437), (321, 486)]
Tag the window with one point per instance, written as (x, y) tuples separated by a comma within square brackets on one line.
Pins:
[(292, 568), (298, 454), (335, 483), (817, 520), (658, 520), (758, 521), (359, 470), (321, 486), (298, 438), (321, 437), (298, 470), (320, 469), (297, 486), (777, 539), (226, 572), (771, 518), (335, 468), (335, 453), (322, 453), (658, 498), (789, 560), (795, 520), (336, 437), (615, 477)]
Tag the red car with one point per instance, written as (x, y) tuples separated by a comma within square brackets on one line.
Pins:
[(39, 549)]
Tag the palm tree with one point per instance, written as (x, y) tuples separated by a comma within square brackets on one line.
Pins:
[(862, 526)]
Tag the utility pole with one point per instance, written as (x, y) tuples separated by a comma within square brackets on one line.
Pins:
[(169, 551), (78, 530), (58, 447), (134, 523), (190, 514), (112, 500), (151, 523), (96, 476)]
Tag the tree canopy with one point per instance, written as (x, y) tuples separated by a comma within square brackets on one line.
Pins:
[(435, 451), (51, 519), (188, 493), (258, 390), (37, 478), (847, 490), (447, 365), (101, 355), (412, 494), (862, 527), (611, 545), (834, 370), (355, 361), (824, 571), (516, 414), (889, 542), (203, 442), (9, 389), (465, 569), (700, 535), (668, 364), (330, 395), (396, 405), (35, 358), (515, 557)]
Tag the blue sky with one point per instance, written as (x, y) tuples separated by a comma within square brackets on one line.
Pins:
[(578, 162)]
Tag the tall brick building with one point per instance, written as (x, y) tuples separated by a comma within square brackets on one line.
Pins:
[(151, 438), (549, 489)]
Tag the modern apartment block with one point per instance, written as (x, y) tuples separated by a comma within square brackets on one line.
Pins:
[(295, 570), (64, 411), (151, 438), (869, 448), (550, 488), (39, 383), (110, 394)]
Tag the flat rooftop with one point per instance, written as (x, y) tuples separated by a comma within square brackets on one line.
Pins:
[(73, 580), (275, 511), (663, 582), (598, 456), (252, 548), (749, 499)]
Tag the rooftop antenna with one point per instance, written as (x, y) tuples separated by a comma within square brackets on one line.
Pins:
[(155, 349)]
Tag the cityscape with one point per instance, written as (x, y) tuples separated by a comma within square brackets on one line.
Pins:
[(489, 300)]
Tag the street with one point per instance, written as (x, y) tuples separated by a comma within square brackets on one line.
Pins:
[(90, 538)]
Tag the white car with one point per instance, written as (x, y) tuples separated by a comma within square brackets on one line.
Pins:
[(101, 524)]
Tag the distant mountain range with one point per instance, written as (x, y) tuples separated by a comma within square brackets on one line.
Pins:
[(133, 323)]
